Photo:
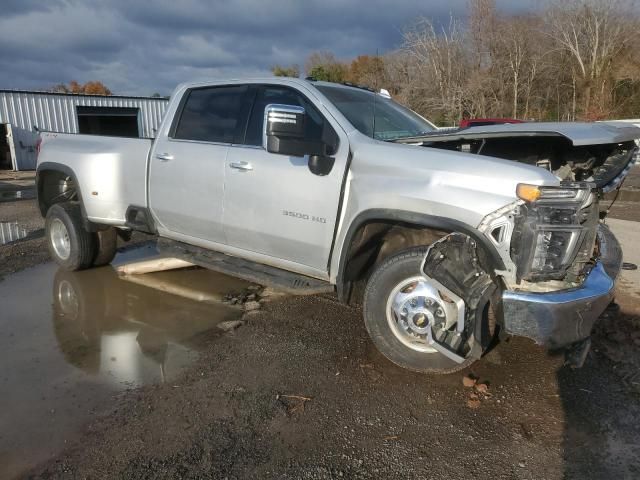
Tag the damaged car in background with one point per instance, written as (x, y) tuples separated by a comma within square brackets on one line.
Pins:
[(449, 240)]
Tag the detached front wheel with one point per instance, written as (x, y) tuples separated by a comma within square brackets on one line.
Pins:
[(419, 323), (71, 246)]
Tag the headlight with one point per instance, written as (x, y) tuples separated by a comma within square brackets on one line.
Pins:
[(553, 251), (557, 216), (549, 229), (533, 193)]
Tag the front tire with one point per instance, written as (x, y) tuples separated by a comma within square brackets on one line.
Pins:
[(71, 246), (402, 338)]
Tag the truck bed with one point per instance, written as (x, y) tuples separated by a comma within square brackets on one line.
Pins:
[(108, 172)]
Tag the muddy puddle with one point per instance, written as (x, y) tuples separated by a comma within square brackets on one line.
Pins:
[(12, 196), (11, 232), (72, 341)]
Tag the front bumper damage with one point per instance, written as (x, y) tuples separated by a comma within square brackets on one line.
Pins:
[(562, 318)]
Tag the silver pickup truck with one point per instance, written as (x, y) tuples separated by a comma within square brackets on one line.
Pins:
[(448, 239)]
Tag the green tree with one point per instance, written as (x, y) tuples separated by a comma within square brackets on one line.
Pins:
[(336, 73), (325, 67), (280, 71)]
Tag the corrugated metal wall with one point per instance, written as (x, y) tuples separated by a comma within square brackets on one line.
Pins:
[(57, 112)]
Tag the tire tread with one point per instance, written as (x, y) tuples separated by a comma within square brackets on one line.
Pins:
[(106, 242), (83, 253), (395, 356)]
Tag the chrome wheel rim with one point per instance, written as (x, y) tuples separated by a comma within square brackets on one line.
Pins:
[(414, 308), (68, 300), (60, 241)]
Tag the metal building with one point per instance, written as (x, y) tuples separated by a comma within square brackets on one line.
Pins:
[(23, 113)]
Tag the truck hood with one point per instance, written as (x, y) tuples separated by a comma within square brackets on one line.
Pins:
[(599, 153), (578, 133), (449, 184)]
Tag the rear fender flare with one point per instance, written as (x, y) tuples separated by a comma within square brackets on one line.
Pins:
[(61, 168)]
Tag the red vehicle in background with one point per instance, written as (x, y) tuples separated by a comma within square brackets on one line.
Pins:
[(481, 122)]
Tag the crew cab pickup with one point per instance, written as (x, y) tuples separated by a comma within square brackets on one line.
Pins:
[(447, 239)]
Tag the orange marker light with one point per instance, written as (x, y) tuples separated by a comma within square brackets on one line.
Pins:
[(528, 193)]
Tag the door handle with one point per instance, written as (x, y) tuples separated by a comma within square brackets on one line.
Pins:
[(246, 166), (165, 157)]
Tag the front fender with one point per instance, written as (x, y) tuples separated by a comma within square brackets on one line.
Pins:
[(412, 218)]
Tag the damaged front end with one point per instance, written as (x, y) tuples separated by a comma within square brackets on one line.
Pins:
[(598, 153), (562, 263)]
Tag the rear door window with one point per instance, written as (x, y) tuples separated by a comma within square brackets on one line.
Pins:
[(212, 114)]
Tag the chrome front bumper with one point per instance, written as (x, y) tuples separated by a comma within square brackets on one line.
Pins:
[(561, 318)]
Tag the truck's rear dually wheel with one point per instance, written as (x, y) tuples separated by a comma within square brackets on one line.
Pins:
[(106, 245), (70, 244)]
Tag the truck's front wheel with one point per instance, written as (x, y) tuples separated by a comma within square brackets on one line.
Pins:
[(413, 323), (70, 244)]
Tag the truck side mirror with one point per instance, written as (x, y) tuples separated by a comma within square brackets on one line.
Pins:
[(284, 132)]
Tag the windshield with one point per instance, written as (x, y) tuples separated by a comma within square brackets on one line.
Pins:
[(392, 120)]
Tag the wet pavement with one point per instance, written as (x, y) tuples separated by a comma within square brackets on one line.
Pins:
[(72, 341)]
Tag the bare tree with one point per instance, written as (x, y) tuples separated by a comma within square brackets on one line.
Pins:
[(482, 28), (576, 59), (593, 33), (517, 54), (441, 60)]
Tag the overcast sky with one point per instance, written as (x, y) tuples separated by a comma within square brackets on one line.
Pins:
[(142, 47)]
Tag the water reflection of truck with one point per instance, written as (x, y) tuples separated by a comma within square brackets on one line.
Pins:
[(446, 238), (103, 323)]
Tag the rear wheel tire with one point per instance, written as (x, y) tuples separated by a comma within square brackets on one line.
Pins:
[(70, 244), (391, 278), (106, 244)]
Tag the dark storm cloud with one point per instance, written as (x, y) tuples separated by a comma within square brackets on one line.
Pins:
[(14, 7), (144, 47)]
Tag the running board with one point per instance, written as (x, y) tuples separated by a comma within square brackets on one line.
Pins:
[(277, 278)]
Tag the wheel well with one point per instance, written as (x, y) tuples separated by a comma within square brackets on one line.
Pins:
[(54, 187), (372, 243)]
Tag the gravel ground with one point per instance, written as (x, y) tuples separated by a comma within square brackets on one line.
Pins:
[(299, 391)]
